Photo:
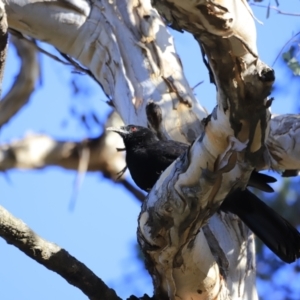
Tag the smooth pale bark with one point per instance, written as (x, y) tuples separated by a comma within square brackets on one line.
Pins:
[(191, 251)]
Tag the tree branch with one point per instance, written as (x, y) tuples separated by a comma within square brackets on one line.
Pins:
[(132, 54), (24, 85), (3, 42), (36, 151), (133, 190), (54, 258), (221, 159), (41, 151)]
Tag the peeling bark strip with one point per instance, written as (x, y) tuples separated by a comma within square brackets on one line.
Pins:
[(56, 259)]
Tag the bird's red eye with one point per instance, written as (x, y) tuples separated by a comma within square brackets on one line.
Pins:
[(133, 128)]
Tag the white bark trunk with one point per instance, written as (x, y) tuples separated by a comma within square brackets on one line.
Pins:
[(131, 54)]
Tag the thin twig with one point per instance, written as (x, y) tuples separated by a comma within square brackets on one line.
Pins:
[(197, 84), (133, 190), (276, 9), (70, 61), (284, 47), (38, 48)]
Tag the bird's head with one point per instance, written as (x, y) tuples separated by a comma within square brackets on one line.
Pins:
[(134, 134)]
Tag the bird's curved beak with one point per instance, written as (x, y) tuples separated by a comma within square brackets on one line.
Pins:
[(121, 131)]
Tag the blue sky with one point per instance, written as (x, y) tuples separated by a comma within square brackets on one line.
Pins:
[(101, 230)]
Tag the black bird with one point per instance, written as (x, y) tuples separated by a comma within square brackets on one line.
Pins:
[(147, 157)]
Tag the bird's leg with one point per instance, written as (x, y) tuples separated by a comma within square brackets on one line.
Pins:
[(120, 174)]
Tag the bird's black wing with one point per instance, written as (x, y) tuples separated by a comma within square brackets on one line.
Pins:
[(165, 152), (274, 231), (146, 161)]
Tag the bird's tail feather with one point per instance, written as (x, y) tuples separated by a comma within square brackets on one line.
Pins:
[(260, 181), (274, 231)]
